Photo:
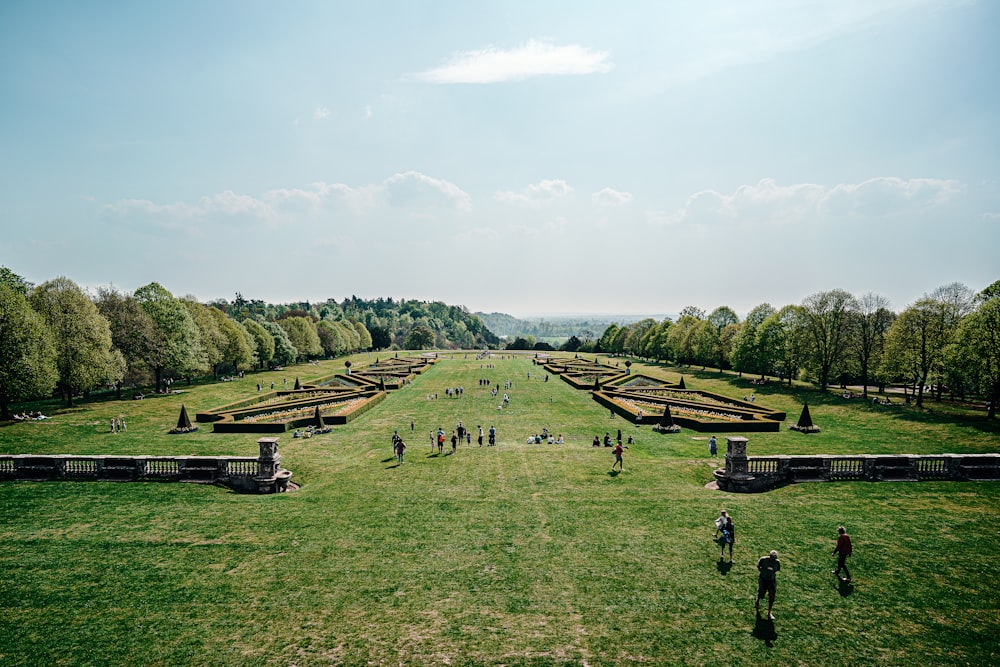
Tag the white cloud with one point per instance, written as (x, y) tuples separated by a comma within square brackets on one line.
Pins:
[(368, 111), (419, 193), (769, 203), (321, 113), (990, 216), (412, 187), (536, 194), (611, 197), (495, 65)]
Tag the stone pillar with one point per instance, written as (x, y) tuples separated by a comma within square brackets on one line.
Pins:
[(269, 460), (736, 455)]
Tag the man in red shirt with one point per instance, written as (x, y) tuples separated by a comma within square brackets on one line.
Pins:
[(844, 549), (617, 451)]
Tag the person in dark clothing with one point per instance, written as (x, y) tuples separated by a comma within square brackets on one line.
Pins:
[(843, 549), (767, 583)]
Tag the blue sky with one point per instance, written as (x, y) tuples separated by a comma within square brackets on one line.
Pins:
[(531, 158)]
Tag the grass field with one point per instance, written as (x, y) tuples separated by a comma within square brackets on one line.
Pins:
[(514, 555)]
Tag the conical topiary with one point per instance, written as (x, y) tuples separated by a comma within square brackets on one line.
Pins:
[(805, 419), (681, 385), (666, 419), (805, 423), (183, 421), (318, 419), (597, 383), (298, 385), (667, 424)]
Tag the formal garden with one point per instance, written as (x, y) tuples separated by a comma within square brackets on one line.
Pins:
[(517, 554)]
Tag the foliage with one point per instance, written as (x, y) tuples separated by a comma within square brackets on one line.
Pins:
[(176, 343), (85, 355), (302, 334), (284, 352), (27, 352), (420, 338), (978, 349), (132, 330), (826, 320), (263, 341)]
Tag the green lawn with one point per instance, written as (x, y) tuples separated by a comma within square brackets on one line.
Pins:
[(514, 555)]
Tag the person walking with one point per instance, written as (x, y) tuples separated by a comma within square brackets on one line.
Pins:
[(617, 451), (480, 439), (713, 446), (728, 537), (454, 442), (720, 522), (767, 582), (843, 549), (400, 448)]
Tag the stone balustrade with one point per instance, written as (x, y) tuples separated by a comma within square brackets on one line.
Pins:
[(262, 474), (753, 474)]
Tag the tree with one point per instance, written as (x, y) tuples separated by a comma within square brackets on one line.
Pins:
[(14, 281), (870, 319), (704, 342), (263, 341), (605, 342), (27, 352), (284, 352), (85, 355), (572, 344), (692, 311), (914, 343), (213, 341), (302, 333), (978, 345), (240, 346), (364, 336), (782, 342), (381, 337), (727, 336), (826, 322), (746, 355), (420, 337), (722, 317), (956, 302), (132, 330), (176, 344)]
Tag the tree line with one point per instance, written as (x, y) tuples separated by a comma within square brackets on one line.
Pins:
[(949, 338), (56, 337)]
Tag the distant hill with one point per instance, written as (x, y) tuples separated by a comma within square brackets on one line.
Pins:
[(583, 326)]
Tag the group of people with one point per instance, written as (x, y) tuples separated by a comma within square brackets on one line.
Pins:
[(460, 433), (545, 436), (118, 425), (769, 565), (28, 416)]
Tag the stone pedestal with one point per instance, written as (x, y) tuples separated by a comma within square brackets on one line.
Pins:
[(269, 460)]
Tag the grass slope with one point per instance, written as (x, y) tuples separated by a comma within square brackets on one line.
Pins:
[(514, 555)]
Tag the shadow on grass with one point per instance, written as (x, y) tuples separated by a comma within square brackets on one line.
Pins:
[(433, 455), (395, 466), (615, 473), (723, 567), (844, 587), (391, 458), (763, 630)]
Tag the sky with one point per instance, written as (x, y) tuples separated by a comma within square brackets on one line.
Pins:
[(529, 158)]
